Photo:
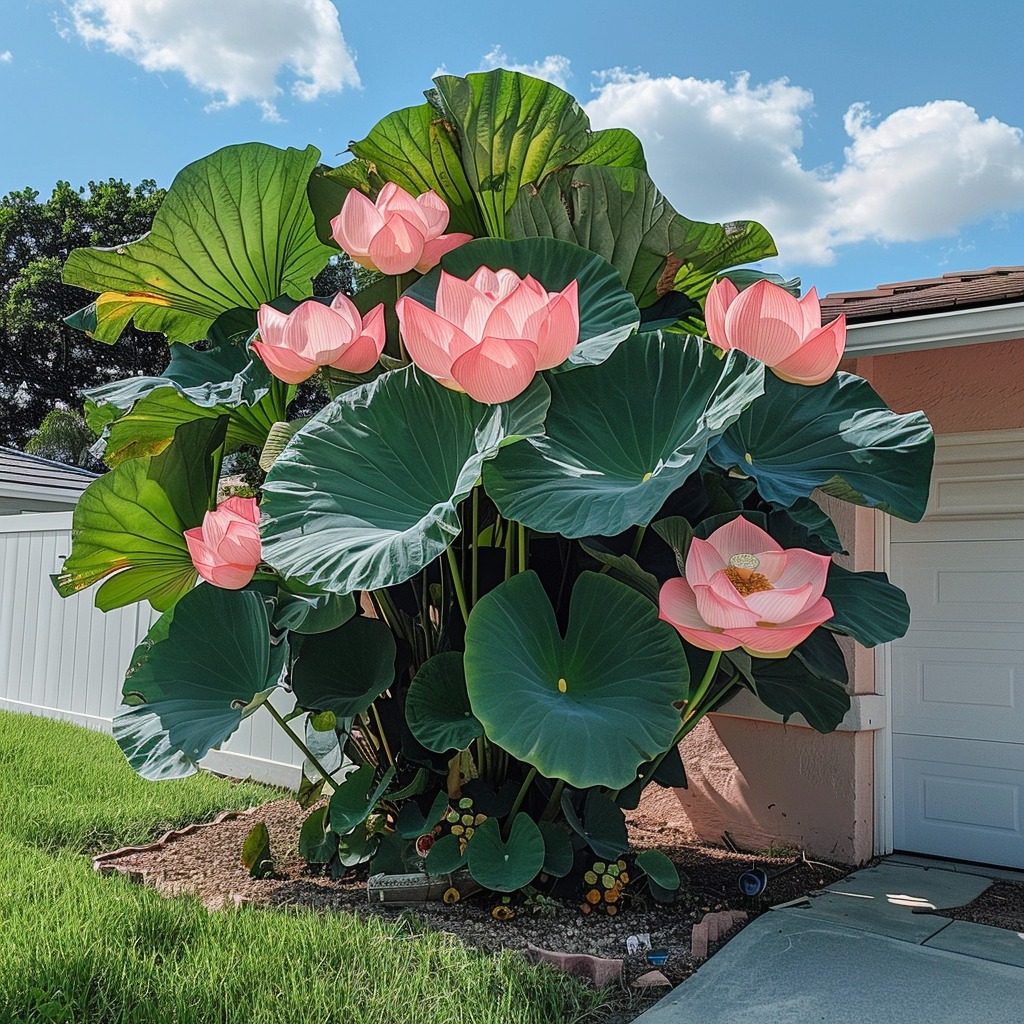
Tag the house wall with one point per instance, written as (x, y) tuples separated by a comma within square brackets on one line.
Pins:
[(771, 784)]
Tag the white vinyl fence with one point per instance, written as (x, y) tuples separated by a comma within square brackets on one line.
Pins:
[(66, 659)]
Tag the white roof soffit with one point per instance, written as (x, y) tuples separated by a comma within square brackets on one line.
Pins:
[(936, 330)]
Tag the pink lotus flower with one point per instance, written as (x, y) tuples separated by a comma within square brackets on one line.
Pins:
[(293, 345), (785, 333), (743, 590), (226, 549), (492, 333), (397, 233)]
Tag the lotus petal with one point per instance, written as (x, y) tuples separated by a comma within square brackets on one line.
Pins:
[(818, 358), (677, 605), (496, 370)]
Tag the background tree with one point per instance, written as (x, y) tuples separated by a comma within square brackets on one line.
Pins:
[(44, 363), (65, 437)]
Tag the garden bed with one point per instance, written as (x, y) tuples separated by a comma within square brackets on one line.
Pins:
[(205, 863)]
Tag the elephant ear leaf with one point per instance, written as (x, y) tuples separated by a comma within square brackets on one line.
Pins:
[(235, 230), (203, 667), (541, 129), (838, 436), (129, 524), (619, 213)]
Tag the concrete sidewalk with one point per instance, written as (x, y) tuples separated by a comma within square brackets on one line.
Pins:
[(860, 954)]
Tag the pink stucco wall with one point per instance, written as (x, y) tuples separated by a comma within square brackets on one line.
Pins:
[(767, 783), (962, 389)]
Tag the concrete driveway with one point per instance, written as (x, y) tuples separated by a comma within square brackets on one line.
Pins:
[(865, 951)]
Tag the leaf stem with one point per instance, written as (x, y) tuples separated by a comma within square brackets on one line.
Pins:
[(460, 593), (313, 760), (474, 554), (524, 550), (637, 541), (702, 687), (380, 731), (554, 801), (217, 458), (521, 795), (403, 355)]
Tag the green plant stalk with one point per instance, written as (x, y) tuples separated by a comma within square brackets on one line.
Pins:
[(637, 541), (460, 592), (474, 554), (218, 458), (313, 760), (426, 625), (388, 613), (402, 354), (381, 733), (554, 802), (524, 550), (702, 687), (521, 795), (509, 545), (481, 756), (690, 722)]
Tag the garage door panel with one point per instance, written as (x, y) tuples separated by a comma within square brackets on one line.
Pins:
[(960, 691), (960, 798), (976, 585)]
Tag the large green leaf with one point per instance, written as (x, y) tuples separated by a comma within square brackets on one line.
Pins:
[(437, 706), (608, 314), (506, 866), (202, 668), (619, 213), (810, 681), (413, 147), (380, 472), (515, 130), (138, 416), (603, 824), (345, 670), (588, 709), (867, 606), (129, 524), (838, 436), (235, 230), (354, 800), (621, 437)]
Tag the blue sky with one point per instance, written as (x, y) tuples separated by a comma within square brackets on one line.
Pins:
[(877, 141)]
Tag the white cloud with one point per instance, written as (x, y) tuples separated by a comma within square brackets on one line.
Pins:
[(232, 49), (722, 151), (554, 68), (6, 57)]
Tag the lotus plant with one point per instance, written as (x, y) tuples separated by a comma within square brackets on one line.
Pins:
[(460, 582), (225, 549), (785, 333), (489, 336), (742, 589), (294, 345), (397, 232)]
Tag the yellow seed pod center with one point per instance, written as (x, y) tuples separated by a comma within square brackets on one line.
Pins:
[(562, 686)]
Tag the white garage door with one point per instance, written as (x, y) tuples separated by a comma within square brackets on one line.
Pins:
[(958, 675)]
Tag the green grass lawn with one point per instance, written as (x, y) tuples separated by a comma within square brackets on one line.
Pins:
[(76, 948)]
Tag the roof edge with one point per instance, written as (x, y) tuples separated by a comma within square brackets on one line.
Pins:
[(975, 326)]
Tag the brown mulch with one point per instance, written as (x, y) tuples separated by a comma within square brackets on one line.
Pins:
[(204, 862)]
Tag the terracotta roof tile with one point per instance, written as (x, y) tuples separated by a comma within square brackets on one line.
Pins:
[(962, 290)]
